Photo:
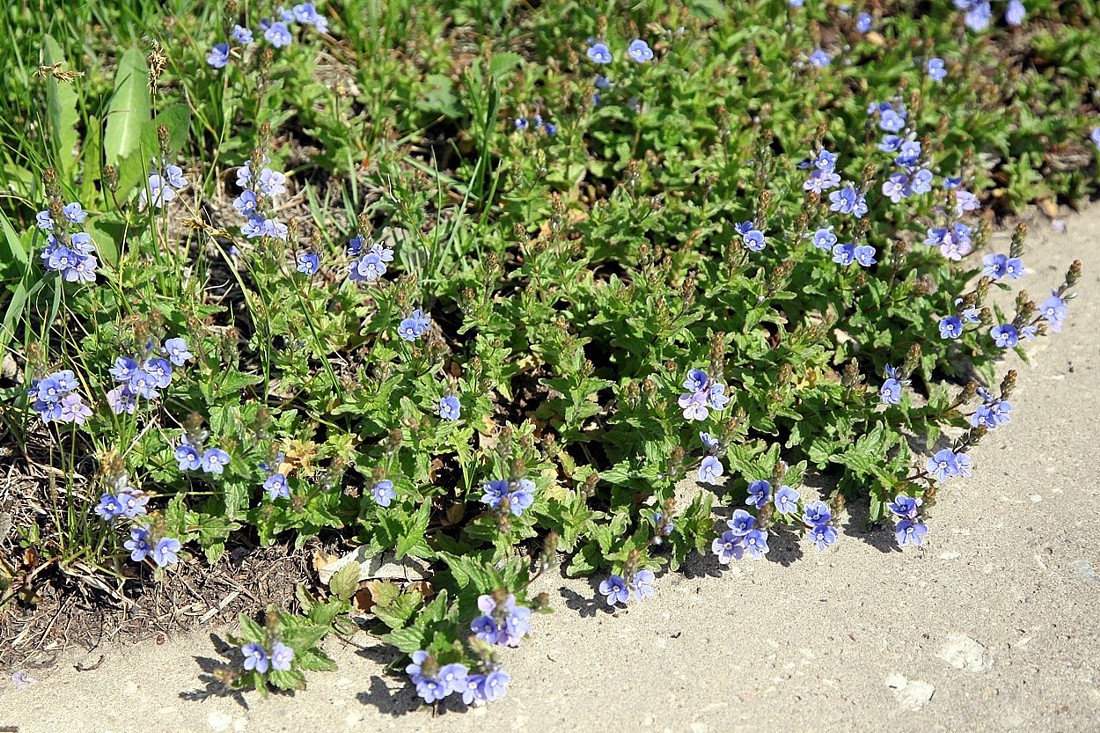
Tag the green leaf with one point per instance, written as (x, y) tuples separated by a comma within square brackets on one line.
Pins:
[(13, 245), (129, 108), (107, 232), (408, 640), (414, 532), (61, 110), (345, 581), (133, 169)]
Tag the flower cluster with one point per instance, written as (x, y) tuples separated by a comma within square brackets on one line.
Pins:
[(751, 237), (536, 123), (144, 376), (823, 177), (55, 398), (818, 518), (162, 186), (702, 395), (947, 464), (742, 536), (191, 457), (999, 266), (993, 411), (276, 32), (515, 496), (71, 254), (370, 265), (124, 502), (141, 545), (936, 69), (257, 658), (638, 51), (256, 202), (434, 682), (979, 13), (503, 623), (639, 587), (909, 530), (711, 469)]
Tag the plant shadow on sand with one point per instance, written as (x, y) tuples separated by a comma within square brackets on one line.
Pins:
[(215, 687)]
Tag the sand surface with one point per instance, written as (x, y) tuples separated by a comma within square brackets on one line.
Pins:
[(994, 625)]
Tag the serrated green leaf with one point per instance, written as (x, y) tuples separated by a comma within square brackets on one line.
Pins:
[(345, 581)]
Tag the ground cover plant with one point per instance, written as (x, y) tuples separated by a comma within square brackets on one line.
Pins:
[(470, 288)]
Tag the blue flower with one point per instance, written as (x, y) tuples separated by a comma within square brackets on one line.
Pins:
[(1005, 336), (951, 327), (694, 406), (615, 590), (551, 129), (936, 70), (133, 503), (638, 50), (848, 201), (109, 508), (823, 535), (520, 123), (865, 255), (710, 470), (1015, 13), (904, 506), (909, 532), (821, 181), (754, 241), (494, 492), (947, 464), (521, 495), (844, 254), (819, 58), (891, 392), (188, 457), (824, 239), (494, 685), (697, 381), (786, 500), (890, 143), (599, 53), (1054, 311), (756, 543), (164, 553), (176, 349), (921, 182), (214, 460), (383, 492), (891, 121), (817, 513), (1094, 136), (485, 628), (709, 442), (641, 586), (414, 326), (277, 487), (242, 35), (453, 677), (728, 547), (908, 154), (896, 187), (281, 657), (271, 183), (139, 544), (450, 408), (278, 35), (308, 262), (760, 492), (255, 658), (742, 522), (995, 266), (219, 56), (75, 213), (978, 16)]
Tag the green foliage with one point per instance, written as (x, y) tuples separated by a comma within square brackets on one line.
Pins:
[(572, 279)]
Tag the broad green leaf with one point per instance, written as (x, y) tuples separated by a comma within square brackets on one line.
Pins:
[(136, 166), (129, 109), (61, 101)]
